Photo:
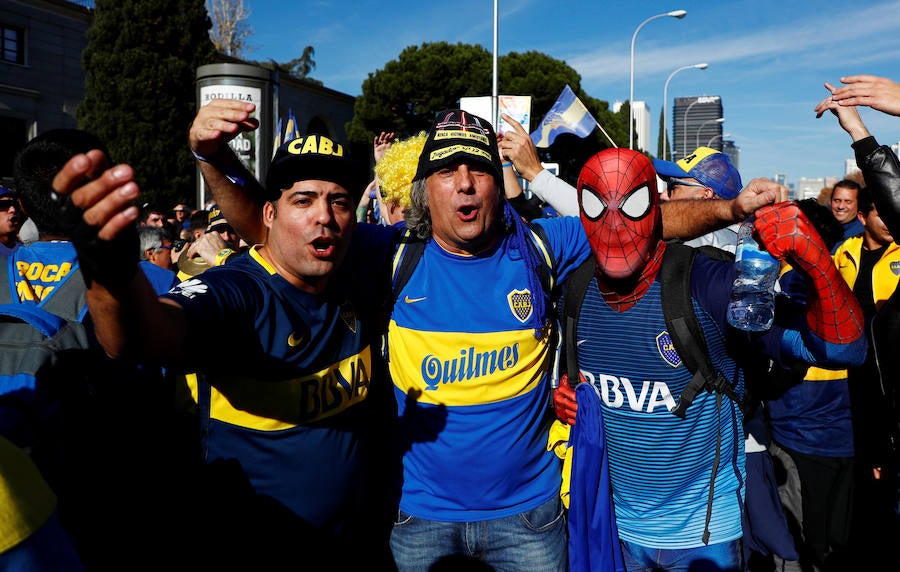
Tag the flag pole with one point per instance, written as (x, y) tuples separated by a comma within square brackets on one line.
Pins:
[(608, 138), (494, 118)]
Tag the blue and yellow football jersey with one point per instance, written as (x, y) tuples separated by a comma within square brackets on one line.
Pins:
[(286, 379), (470, 380)]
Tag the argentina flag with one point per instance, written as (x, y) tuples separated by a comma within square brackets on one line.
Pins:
[(568, 115)]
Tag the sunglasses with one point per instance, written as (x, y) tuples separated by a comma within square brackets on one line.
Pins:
[(682, 183), (6, 203)]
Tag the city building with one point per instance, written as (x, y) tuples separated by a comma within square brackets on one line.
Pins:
[(810, 188), (733, 152), (42, 80), (694, 123), (641, 125)]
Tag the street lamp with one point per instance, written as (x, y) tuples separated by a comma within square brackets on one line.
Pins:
[(702, 66), (702, 125), (714, 137), (675, 14), (684, 149)]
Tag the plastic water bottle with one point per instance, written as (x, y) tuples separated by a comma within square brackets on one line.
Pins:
[(752, 306)]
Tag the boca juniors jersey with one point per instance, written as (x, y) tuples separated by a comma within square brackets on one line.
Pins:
[(469, 377), (286, 377)]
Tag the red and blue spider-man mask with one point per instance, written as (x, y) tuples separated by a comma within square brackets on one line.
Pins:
[(620, 211)]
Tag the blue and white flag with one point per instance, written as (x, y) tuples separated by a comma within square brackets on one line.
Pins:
[(291, 131), (568, 115), (277, 142)]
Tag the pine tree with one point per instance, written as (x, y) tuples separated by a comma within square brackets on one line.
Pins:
[(140, 97)]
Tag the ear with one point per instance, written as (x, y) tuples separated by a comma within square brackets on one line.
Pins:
[(268, 213), (708, 193), (861, 217)]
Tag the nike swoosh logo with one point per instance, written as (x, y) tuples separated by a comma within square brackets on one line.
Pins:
[(294, 342), (409, 300), (579, 342)]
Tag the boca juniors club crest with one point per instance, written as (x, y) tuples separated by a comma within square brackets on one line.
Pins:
[(349, 317), (520, 304), (667, 349)]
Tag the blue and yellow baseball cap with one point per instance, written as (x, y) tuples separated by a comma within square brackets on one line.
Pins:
[(709, 166)]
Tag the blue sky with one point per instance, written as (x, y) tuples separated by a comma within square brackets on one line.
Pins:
[(767, 59)]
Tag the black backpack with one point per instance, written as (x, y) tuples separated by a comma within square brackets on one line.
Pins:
[(678, 310)]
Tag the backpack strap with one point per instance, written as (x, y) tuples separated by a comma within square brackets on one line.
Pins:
[(575, 288), (539, 241), (411, 248), (406, 258), (684, 329)]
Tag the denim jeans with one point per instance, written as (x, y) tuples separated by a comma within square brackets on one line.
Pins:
[(532, 540), (720, 557)]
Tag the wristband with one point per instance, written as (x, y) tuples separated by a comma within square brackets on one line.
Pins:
[(223, 255), (110, 263), (199, 157), (505, 165), (235, 178)]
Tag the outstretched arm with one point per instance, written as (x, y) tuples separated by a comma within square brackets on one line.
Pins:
[(235, 190), (878, 163), (130, 320), (833, 314), (686, 219)]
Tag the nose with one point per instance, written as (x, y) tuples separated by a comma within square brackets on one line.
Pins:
[(324, 213), (465, 179)]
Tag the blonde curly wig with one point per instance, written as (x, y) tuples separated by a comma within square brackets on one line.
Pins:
[(397, 168)]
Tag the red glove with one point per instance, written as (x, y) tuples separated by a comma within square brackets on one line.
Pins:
[(564, 400), (833, 313)]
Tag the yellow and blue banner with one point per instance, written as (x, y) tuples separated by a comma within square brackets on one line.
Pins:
[(277, 142), (568, 115), (291, 131)]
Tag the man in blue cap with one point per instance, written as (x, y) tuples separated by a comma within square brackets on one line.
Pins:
[(704, 174)]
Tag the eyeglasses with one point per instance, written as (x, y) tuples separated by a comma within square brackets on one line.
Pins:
[(164, 247), (681, 183), (6, 203)]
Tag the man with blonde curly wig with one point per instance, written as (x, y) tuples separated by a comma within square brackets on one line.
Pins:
[(395, 173)]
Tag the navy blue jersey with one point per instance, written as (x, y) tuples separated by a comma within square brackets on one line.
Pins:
[(286, 378)]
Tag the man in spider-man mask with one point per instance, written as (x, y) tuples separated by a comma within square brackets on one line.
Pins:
[(678, 482)]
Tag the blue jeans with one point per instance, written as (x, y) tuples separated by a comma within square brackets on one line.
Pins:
[(721, 557), (532, 540)]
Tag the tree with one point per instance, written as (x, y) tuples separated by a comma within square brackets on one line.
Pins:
[(230, 29), (140, 65), (659, 139), (404, 96), (299, 68)]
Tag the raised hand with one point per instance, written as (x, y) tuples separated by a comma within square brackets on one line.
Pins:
[(218, 122), (848, 116), (382, 143), (516, 146), (876, 92)]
